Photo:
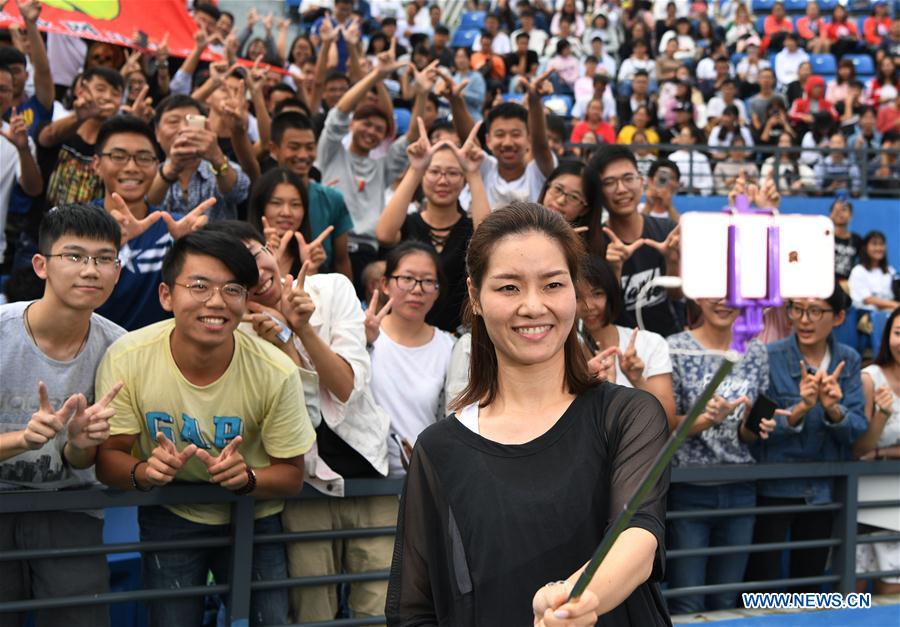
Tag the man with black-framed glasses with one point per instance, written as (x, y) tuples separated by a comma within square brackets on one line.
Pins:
[(203, 401), (817, 380), (126, 162), (52, 418)]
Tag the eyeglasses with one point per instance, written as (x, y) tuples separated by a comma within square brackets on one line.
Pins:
[(143, 159), (569, 197), (409, 283), (814, 314), (452, 176), (106, 262), (230, 292), (612, 182), (6, 90)]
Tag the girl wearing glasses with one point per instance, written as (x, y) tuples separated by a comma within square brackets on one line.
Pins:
[(410, 358), (443, 171), (563, 193)]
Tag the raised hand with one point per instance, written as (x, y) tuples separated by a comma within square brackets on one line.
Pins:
[(351, 33), (448, 88), (603, 364), (296, 303), (90, 427), (17, 133), (192, 221), (201, 39), (252, 18), (540, 86), (229, 469), (552, 608), (268, 21), (327, 31), (271, 235), (425, 78), (470, 156), (132, 63), (283, 24), (165, 461), (313, 252), (809, 387), (131, 227), (630, 363), (618, 252), (162, 50), (420, 151), (142, 106), (830, 393), (85, 105), (46, 422), (387, 61), (374, 318), (30, 10)]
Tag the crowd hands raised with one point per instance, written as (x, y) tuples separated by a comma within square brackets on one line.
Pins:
[(184, 206)]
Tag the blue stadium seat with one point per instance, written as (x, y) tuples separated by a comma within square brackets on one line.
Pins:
[(762, 6), (860, 23), (520, 98), (795, 6), (827, 6), (560, 104), (823, 64), (760, 24), (401, 120), (464, 38), (863, 63), (472, 20), (736, 58)]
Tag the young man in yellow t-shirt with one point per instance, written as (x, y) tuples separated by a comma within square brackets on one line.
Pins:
[(204, 402)]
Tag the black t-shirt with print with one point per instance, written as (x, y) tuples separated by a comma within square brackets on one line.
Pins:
[(846, 254), (643, 266)]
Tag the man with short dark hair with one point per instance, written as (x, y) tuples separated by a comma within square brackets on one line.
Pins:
[(202, 401), (98, 94), (51, 417)]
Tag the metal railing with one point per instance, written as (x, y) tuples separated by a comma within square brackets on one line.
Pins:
[(859, 157), (845, 507)]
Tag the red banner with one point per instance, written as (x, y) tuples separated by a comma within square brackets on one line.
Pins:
[(114, 21)]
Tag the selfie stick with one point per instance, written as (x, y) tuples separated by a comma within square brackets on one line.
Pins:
[(748, 324)]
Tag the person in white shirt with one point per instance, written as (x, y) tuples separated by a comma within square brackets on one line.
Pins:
[(537, 39), (410, 358), (871, 281), (630, 357), (682, 34), (789, 59), (639, 60), (501, 43), (17, 155), (317, 322), (727, 97), (696, 173)]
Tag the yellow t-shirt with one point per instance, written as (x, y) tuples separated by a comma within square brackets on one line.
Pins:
[(259, 397)]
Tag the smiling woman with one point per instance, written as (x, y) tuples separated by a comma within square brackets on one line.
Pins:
[(471, 557)]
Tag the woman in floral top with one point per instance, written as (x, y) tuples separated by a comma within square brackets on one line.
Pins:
[(718, 437)]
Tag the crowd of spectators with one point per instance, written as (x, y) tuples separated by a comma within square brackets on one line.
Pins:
[(196, 231)]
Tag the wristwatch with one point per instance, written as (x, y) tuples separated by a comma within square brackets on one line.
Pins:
[(222, 169), (163, 176), (248, 487)]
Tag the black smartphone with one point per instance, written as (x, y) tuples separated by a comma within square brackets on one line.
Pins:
[(764, 407), (142, 40), (588, 339)]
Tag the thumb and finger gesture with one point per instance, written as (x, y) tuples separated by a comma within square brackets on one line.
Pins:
[(631, 364), (829, 389), (271, 235), (191, 222), (618, 252), (374, 316), (603, 364), (552, 608), (470, 155), (131, 226), (165, 461), (314, 251), (46, 422), (228, 469), (296, 303), (89, 426), (420, 151)]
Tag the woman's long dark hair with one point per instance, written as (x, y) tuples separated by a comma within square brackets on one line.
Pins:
[(516, 219), (864, 258), (884, 357), (259, 197)]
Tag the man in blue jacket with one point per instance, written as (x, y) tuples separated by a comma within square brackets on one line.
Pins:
[(817, 380)]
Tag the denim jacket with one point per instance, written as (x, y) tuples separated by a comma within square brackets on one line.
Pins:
[(815, 438)]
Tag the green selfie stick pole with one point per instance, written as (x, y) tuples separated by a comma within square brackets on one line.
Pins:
[(653, 475)]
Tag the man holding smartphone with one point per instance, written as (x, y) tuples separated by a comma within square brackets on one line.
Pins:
[(662, 185)]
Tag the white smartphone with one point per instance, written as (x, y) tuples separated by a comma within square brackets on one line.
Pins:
[(195, 120), (806, 264)]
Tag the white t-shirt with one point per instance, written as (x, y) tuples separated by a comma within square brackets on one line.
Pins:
[(10, 172), (866, 283), (501, 192), (651, 348), (408, 383)]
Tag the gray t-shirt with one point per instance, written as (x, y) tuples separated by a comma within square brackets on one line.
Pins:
[(22, 366), (361, 180)]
